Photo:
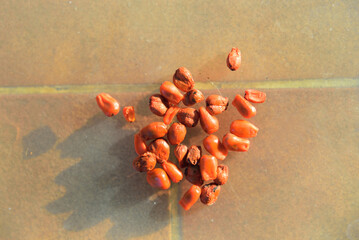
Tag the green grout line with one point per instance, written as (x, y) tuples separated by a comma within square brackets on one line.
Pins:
[(118, 88), (175, 233), (78, 89), (277, 84)]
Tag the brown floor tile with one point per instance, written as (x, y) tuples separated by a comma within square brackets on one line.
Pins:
[(298, 180), (66, 172), (77, 42)]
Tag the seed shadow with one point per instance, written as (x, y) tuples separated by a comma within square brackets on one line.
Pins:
[(142, 107), (38, 142), (104, 185)]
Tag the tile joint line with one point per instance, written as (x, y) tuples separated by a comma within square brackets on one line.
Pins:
[(144, 87)]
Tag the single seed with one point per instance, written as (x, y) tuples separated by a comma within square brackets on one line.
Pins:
[(234, 143), (171, 92), (129, 113), (153, 130), (222, 175), (145, 162), (170, 114), (243, 128), (234, 59), (140, 144), (176, 133), (208, 167), (194, 154), (158, 104), (208, 122), (188, 116), (255, 96), (158, 178), (181, 155), (183, 79), (209, 193), (107, 104), (172, 171), (192, 97), (190, 197), (245, 108), (216, 104), (161, 149)]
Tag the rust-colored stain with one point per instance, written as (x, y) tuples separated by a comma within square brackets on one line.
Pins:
[(66, 169)]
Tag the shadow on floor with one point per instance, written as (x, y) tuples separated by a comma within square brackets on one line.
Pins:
[(38, 142), (104, 185)]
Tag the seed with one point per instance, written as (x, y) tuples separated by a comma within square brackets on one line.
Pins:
[(170, 114), (183, 79), (213, 145), (222, 175), (194, 154), (234, 59), (255, 96), (209, 193), (209, 123), (190, 197), (145, 162), (188, 116), (172, 171), (129, 114), (181, 155), (243, 128), (216, 104), (198, 168), (192, 97), (234, 143), (108, 104), (193, 175), (176, 133), (161, 149), (158, 178), (171, 93), (208, 167), (245, 108), (153, 130), (158, 104), (140, 145)]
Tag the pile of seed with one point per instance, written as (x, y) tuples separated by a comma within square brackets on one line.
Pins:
[(201, 170)]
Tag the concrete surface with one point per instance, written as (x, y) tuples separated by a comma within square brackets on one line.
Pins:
[(66, 170)]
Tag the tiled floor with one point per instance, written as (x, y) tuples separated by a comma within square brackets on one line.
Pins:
[(66, 170)]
